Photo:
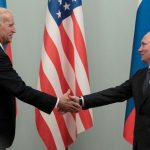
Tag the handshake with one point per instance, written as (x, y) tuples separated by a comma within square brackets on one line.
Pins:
[(68, 103)]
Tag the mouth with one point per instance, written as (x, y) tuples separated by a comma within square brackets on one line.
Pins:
[(142, 54), (10, 36)]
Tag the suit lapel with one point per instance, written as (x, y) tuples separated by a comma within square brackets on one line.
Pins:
[(147, 92), (141, 82), (1, 49), (2, 52)]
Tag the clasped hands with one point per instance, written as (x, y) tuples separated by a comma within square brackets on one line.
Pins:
[(68, 103)]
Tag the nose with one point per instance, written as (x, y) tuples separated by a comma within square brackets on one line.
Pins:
[(14, 29), (140, 49)]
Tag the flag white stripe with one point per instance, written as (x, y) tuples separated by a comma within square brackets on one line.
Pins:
[(71, 125), (48, 67), (80, 127), (79, 68), (82, 80), (66, 66), (139, 2), (52, 76), (53, 126), (79, 16)]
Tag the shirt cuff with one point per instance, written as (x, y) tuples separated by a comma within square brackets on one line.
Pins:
[(57, 103), (82, 99)]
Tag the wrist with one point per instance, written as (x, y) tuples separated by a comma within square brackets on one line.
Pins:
[(81, 101), (57, 102)]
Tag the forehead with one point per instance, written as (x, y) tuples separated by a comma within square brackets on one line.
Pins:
[(7, 17), (146, 38)]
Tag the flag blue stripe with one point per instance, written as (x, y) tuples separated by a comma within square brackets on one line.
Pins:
[(3, 3), (141, 28)]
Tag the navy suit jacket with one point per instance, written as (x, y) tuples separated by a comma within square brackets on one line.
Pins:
[(11, 85), (130, 88)]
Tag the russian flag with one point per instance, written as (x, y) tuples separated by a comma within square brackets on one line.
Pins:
[(3, 3), (142, 26)]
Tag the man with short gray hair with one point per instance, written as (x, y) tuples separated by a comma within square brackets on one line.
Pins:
[(138, 87)]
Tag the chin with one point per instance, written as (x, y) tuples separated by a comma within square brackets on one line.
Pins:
[(9, 41), (145, 60), (142, 59)]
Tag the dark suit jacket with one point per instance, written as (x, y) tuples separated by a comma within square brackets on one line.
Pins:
[(130, 88), (12, 85)]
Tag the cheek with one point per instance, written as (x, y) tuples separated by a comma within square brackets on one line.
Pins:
[(147, 54), (3, 33)]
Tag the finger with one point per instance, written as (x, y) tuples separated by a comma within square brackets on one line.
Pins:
[(62, 111), (68, 92), (75, 107), (73, 98), (66, 108), (70, 108)]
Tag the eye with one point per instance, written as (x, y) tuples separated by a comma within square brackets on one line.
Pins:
[(11, 25)]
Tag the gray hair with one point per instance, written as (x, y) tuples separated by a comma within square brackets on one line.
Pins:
[(3, 11)]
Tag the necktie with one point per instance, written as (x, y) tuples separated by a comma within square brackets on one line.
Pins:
[(147, 81)]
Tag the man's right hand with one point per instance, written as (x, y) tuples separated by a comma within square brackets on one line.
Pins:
[(74, 98), (67, 105)]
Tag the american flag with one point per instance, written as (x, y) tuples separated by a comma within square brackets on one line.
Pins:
[(63, 66), (142, 26)]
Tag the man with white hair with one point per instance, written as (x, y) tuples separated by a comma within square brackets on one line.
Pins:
[(12, 85)]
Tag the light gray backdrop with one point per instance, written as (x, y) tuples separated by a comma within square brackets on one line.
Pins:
[(109, 27)]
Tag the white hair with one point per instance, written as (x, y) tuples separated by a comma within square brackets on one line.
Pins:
[(4, 11)]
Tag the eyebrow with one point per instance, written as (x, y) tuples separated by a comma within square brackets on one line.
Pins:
[(144, 43)]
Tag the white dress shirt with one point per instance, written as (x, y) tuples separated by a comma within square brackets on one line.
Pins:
[(1, 46)]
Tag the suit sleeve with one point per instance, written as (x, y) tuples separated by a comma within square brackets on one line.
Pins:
[(12, 83), (109, 96)]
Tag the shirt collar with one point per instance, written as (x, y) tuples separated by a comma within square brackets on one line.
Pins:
[(1, 46)]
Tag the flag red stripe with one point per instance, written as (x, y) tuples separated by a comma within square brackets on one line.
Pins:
[(63, 129), (52, 52), (67, 46), (45, 83), (8, 51), (86, 119), (47, 88), (129, 126), (79, 42), (84, 114), (45, 132)]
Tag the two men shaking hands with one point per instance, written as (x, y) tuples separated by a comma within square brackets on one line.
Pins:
[(68, 103)]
